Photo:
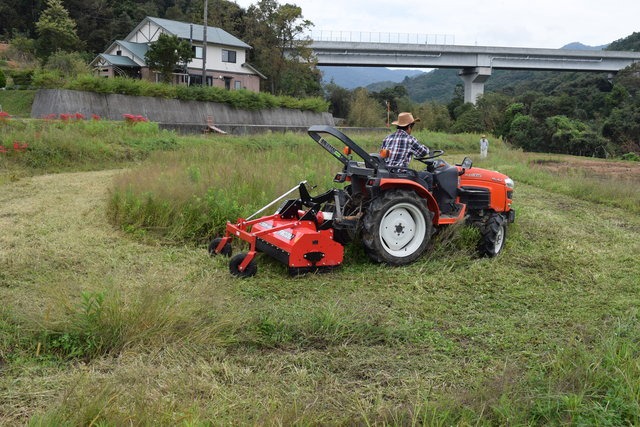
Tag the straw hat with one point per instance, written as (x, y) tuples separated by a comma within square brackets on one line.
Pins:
[(405, 119)]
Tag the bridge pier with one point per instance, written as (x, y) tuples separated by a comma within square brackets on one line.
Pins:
[(474, 79)]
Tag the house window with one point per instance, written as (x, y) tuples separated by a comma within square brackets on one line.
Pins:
[(197, 51), (238, 84), (119, 52), (228, 55), (195, 79)]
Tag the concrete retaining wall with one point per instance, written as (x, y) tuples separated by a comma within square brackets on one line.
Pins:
[(171, 112)]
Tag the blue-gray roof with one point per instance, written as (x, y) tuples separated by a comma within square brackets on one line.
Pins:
[(122, 61), (184, 31), (138, 49)]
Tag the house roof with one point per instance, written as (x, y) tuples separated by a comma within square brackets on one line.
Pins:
[(120, 61), (253, 69), (138, 49), (184, 31)]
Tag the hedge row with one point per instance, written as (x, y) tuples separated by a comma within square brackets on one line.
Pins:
[(242, 99)]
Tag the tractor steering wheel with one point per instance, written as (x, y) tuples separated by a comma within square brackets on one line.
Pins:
[(426, 159)]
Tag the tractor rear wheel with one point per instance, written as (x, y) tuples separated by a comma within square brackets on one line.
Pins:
[(492, 235), (396, 227)]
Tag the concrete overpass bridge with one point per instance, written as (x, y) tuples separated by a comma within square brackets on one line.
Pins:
[(475, 62)]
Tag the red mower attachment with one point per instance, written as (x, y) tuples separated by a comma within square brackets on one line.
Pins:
[(302, 239)]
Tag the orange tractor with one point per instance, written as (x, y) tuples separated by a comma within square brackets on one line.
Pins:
[(393, 212)]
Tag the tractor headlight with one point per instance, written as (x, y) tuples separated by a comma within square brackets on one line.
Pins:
[(509, 183)]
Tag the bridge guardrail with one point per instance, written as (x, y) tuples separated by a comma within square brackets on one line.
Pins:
[(379, 37)]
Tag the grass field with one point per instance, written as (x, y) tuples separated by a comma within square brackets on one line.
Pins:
[(17, 102), (100, 327)]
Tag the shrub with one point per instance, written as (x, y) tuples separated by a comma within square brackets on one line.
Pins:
[(3, 79), (22, 78), (48, 79), (242, 99)]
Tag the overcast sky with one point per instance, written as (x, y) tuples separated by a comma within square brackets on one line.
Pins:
[(518, 23)]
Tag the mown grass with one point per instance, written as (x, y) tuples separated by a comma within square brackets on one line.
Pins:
[(98, 328)]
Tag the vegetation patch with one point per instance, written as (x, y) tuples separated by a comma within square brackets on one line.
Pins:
[(99, 327), (241, 99), (72, 142)]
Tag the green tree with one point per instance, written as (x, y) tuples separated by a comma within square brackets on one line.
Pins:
[(69, 64), (338, 98), (492, 107), (434, 116), (525, 132), (56, 31), (456, 101), (570, 136), (273, 31), (23, 50), (395, 96), (468, 120), (622, 127), (364, 110), (549, 106), (3, 79), (511, 112), (168, 54)]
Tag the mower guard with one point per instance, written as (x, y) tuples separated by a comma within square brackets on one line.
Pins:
[(301, 239)]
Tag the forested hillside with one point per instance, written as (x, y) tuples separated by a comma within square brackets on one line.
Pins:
[(99, 22), (39, 29)]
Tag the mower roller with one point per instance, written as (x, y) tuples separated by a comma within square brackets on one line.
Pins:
[(394, 212)]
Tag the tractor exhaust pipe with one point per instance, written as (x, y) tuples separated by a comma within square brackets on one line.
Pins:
[(277, 200)]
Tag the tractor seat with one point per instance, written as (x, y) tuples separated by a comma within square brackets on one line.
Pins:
[(411, 174)]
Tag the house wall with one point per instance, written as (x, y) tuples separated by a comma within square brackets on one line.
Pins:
[(146, 34), (105, 71), (214, 59)]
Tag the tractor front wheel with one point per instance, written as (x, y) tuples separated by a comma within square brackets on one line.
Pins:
[(492, 235), (397, 227)]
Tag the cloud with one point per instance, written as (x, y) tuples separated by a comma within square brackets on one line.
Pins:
[(542, 23)]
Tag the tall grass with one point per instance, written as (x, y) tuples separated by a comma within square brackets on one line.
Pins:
[(63, 145), (189, 195)]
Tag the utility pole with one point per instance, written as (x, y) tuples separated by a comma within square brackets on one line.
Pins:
[(204, 45)]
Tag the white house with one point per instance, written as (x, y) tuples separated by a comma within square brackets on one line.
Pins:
[(226, 55)]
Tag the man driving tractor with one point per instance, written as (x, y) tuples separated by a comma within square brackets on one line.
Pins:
[(402, 146)]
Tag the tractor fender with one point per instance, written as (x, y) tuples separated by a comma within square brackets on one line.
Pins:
[(407, 184)]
